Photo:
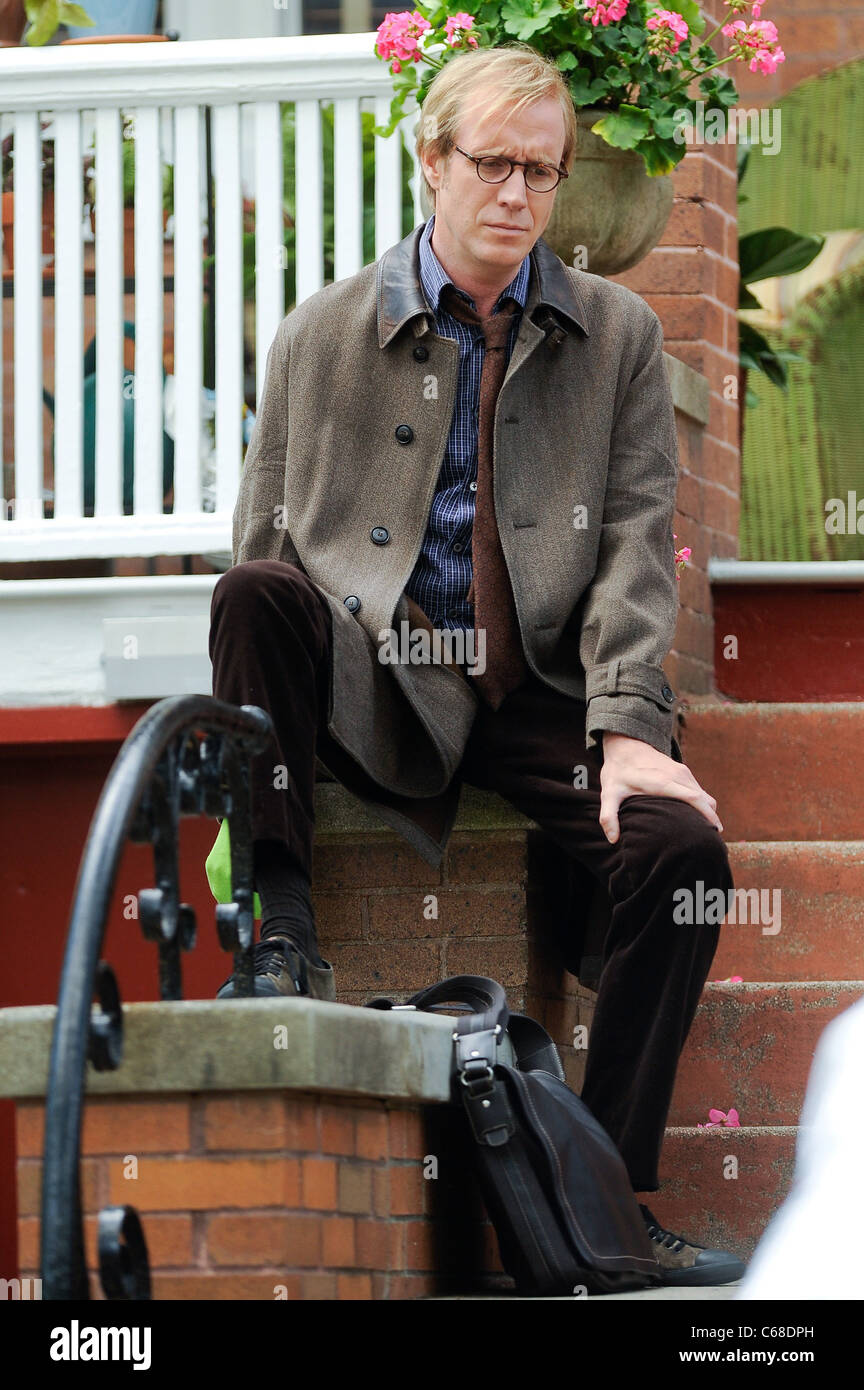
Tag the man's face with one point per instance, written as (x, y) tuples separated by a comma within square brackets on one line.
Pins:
[(471, 216)]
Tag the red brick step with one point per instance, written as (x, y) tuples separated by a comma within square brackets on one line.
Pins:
[(780, 771), (821, 884), (699, 1197), (751, 1047)]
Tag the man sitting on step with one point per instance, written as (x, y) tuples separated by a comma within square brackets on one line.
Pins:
[(367, 511)]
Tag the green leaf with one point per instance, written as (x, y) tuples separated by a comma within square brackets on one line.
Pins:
[(661, 156), (523, 19), (584, 92), (756, 353), (623, 128), (45, 17), (665, 127), (776, 251), (746, 300), (75, 14), (565, 62), (787, 355)]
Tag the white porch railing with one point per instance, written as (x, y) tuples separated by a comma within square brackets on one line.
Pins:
[(166, 89)]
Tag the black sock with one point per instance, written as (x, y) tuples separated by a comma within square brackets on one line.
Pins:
[(286, 903)]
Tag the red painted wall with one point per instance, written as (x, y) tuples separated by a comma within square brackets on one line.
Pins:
[(794, 642)]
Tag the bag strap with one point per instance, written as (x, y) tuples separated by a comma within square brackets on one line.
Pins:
[(484, 998), (534, 1049), (487, 1003)]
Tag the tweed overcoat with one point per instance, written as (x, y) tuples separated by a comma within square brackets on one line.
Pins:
[(350, 436)]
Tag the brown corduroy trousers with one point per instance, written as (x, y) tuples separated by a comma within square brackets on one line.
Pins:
[(270, 645)]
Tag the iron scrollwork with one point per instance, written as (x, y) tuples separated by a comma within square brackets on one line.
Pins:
[(187, 756)]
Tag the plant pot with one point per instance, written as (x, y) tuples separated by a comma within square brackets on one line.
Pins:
[(13, 22), (610, 205), (120, 18), (128, 236), (119, 38), (8, 217)]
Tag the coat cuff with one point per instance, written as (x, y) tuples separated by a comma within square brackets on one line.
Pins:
[(632, 698)]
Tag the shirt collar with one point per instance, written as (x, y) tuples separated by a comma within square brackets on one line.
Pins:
[(433, 276)]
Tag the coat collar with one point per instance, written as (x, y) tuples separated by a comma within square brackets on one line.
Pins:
[(400, 296)]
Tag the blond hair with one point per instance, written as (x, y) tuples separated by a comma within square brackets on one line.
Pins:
[(522, 77)]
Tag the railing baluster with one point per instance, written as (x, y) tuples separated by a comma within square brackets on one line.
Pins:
[(109, 313), (229, 302), (269, 245), (149, 255), (309, 201), (348, 188), (6, 509), (388, 182), (28, 317), (68, 320), (188, 308)]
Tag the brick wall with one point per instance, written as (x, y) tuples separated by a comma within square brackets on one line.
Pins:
[(262, 1195), (500, 896)]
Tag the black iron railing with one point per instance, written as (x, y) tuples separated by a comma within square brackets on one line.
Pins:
[(187, 756)]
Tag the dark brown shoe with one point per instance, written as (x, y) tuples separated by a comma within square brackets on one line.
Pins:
[(684, 1262), (280, 969)]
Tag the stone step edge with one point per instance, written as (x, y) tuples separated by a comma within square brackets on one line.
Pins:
[(745, 985), (679, 1131), (696, 706)]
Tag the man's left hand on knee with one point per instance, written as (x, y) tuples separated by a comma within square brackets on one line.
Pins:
[(632, 767)]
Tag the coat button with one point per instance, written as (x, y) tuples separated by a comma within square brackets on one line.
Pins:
[(404, 434), (380, 535), (458, 547), (352, 603), (473, 485), (421, 353), (668, 693)]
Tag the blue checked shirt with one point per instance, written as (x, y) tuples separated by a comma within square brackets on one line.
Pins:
[(442, 575)]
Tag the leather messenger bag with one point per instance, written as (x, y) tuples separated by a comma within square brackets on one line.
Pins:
[(554, 1185)]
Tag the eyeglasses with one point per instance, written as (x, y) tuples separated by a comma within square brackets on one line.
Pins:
[(539, 177)]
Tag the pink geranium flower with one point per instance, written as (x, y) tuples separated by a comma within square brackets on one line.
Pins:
[(456, 28), (757, 43), (398, 37), (669, 29), (682, 557), (716, 1118), (607, 11)]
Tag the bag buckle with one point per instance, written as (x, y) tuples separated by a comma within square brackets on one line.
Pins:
[(477, 1076), (474, 1054)]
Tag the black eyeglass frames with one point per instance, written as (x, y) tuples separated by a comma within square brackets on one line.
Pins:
[(539, 177)]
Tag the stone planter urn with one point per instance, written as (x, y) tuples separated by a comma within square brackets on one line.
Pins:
[(610, 212)]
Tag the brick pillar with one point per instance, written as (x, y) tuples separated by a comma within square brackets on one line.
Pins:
[(691, 281)]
